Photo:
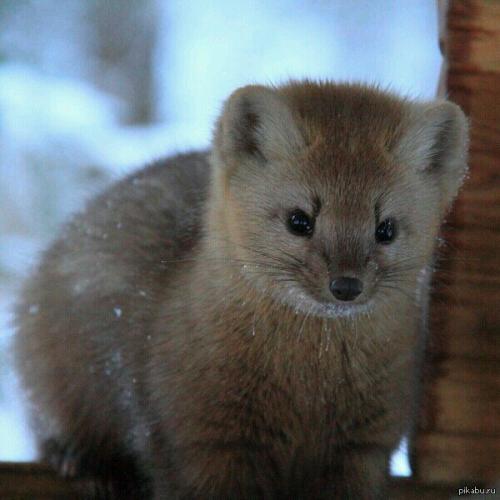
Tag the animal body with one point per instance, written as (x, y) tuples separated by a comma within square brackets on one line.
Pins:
[(246, 322)]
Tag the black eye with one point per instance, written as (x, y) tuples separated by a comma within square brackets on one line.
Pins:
[(386, 231), (300, 224)]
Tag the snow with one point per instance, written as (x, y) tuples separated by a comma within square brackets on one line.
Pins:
[(16, 439), (400, 465), (33, 309)]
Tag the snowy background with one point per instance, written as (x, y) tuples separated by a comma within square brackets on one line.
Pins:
[(91, 89)]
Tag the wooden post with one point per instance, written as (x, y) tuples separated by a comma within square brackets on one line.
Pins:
[(459, 437)]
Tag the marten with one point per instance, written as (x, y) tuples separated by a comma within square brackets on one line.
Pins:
[(246, 322)]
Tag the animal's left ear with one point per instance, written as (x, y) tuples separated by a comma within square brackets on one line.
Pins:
[(436, 143)]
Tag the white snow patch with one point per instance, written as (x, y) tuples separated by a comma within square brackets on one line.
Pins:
[(16, 439), (33, 309), (400, 464)]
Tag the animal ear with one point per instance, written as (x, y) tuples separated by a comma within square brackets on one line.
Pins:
[(436, 143), (256, 124)]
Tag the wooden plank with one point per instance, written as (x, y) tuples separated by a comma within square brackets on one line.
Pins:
[(469, 335), (457, 459), (473, 25), (465, 317), (30, 481), (467, 398), (459, 438), (480, 294), (409, 489)]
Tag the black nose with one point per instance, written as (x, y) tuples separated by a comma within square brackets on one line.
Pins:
[(346, 288)]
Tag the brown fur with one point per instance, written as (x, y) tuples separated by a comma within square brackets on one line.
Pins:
[(178, 329)]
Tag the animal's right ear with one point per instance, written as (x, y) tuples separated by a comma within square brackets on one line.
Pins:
[(256, 124)]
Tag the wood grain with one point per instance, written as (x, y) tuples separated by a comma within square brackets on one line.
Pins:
[(459, 436), (457, 459), (29, 481), (467, 398)]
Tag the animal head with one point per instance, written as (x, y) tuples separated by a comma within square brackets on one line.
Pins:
[(331, 196)]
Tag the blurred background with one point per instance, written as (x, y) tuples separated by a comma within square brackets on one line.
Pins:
[(91, 89)]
